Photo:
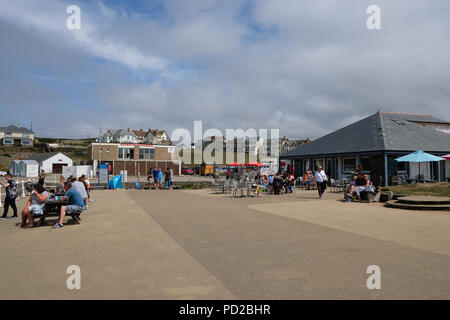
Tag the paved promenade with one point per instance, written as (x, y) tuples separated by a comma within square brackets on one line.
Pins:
[(196, 245)]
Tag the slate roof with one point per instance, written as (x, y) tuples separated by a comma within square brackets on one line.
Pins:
[(379, 132), (39, 157), (15, 129), (30, 162)]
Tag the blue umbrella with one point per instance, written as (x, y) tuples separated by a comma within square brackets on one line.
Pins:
[(419, 156)]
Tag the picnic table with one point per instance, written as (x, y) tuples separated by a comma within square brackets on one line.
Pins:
[(52, 208)]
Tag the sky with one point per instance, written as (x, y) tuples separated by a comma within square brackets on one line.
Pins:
[(305, 67)]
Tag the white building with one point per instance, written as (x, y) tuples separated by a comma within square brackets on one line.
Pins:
[(16, 136), (28, 169), (14, 168), (52, 162), (119, 136)]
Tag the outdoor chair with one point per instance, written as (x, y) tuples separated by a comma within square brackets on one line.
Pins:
[(339, 186)]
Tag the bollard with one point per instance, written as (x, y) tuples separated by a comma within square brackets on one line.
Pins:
[(1, 196), (23, 190)]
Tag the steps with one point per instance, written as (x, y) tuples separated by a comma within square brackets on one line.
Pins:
[(420, 203)]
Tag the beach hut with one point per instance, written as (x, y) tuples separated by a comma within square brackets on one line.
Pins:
[(28, 169), (14, 167)]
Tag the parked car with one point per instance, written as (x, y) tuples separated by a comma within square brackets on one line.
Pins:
[(186, 170)]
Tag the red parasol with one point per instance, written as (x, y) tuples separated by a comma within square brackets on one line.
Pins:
[(254, 164)]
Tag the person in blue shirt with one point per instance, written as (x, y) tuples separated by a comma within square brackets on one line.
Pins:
[(156, 178), (76, 204)]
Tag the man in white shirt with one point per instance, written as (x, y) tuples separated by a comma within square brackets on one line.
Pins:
[(321, 181), (79, 186)]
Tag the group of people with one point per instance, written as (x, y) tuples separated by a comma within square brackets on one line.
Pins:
[(359, 183), (75, 191), (278, 183), (161, 180)]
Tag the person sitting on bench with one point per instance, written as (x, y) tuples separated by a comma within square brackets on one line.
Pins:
[(361, 184), (35, 206), (76, 204)]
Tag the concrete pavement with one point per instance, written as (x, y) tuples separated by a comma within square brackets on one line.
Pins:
[(195, 245)]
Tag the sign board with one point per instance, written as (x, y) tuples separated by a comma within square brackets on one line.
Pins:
[(124, 174), (103, 173)]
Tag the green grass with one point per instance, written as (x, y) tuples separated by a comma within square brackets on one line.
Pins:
[(186, 186), (441, 189)]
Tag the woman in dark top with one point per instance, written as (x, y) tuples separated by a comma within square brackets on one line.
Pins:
[(167, 179), (42, 178)]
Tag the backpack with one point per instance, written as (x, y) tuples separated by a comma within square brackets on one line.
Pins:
[(13, 190)]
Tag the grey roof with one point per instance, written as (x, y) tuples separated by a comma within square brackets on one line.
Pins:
[(121, 132), (39, 157), (378, 132), (15, 129), (30, 162), (415, 117)]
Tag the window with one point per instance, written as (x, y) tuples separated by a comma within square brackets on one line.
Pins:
[(8, 141), (26, 142), (107, 149), (401, 166), (8, 134), (146, 154), (349, 164), (305, 165), (126, 153), (365, 163)]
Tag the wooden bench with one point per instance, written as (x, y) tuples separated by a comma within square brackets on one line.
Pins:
[(52, 208)]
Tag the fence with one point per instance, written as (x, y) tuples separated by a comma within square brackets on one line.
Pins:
[(5, 161)]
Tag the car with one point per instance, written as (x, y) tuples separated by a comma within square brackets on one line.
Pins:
[(186, 170)]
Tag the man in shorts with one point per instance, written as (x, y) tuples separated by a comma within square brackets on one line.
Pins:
[(76, 204)]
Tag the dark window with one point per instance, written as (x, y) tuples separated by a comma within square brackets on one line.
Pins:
[(349, 164), (401, 166), (146, 154), (126, 153)]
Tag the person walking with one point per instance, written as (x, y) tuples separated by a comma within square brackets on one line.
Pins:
[(171, 179), (321, 181), (12, 192)]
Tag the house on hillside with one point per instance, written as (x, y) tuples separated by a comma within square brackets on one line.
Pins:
[(157, 136), (52, 162), (16, 136), (375, 142), (119, 136), (141, 136)]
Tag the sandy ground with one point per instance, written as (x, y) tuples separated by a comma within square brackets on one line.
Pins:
[(197, 245)]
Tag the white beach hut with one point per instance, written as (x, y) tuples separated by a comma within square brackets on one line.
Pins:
[(28, 169)]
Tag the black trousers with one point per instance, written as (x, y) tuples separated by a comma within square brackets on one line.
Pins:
[(321, 187), (12, 203)]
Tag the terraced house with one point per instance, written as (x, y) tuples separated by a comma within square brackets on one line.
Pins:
[(16, 136)]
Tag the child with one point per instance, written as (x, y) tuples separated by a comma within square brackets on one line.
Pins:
[(349, 190)]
